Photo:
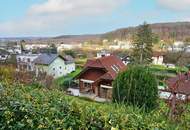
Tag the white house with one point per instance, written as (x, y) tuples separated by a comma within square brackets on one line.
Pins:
[(70, 46), (25, 62), (102, 54), (54, 65), (35, 46), (158, 58)]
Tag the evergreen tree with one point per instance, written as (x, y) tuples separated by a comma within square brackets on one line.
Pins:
[(143, 43), (136, 86)]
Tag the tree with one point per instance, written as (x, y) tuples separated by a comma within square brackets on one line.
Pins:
[(136, 86), (70, 52), (143, 43), (22, 45)]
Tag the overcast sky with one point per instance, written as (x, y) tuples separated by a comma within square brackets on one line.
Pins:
[(59, 17)]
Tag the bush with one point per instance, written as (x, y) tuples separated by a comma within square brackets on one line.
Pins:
[(32, 108), (136, 86)]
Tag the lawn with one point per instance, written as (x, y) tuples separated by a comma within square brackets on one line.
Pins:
[(162, 72)]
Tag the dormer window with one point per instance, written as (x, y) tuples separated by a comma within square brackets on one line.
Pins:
[(115, 68)]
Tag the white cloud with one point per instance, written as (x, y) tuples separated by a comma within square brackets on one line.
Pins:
[(179, 5), (53, 14)]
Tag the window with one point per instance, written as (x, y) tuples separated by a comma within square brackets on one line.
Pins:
[(28, 59), (19, 59), (60, 67), (53, 68), (87, 85), (29, 68), (115, 68)]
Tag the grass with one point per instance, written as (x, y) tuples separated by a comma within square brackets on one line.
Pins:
[(162, 72)]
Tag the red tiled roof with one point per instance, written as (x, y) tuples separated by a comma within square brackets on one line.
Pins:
[(183, 81), (112, 64)]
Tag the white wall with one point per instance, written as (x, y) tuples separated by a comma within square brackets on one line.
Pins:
[(158, 60), (58, 68), (23, 59)]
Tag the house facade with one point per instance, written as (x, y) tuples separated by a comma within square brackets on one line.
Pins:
[(102, 53), (98, 75), (4, 55), (54, 65), (25, 62), (158, 58)]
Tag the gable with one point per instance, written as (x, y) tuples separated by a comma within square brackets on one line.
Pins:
[(57, 61), (91, 74)]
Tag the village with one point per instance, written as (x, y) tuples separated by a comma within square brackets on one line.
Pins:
[(93, 72), (90, 71), (94, 65)]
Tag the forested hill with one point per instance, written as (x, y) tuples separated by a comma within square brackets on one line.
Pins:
[(177, 30)]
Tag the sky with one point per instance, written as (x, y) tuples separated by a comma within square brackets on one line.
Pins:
[(23, 18)]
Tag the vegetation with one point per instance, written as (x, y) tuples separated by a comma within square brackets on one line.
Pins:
[(33, 107), (67, 81), (136, 86), (143, 44), (36, 107), (70, 52)]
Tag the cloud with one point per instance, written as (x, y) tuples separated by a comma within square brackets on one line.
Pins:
[(178, 5), (53, 15)]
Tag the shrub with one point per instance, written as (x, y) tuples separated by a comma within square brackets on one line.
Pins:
[(136, 86), (32, 108)]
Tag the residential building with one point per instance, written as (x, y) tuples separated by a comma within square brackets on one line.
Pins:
[(178, 86), (54, 64), (25, 62), (158, 58), (98, 75), (35, 46), (103, 53), (70, 46), (126, 59), (4, 55), (12, 49)]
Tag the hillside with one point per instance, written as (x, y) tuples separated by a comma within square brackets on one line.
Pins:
[(180, 30), (32, 107)]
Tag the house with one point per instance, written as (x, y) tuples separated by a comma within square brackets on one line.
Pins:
[(178, 86), (54, 64), (12, 48), (102, 54), (98, 74), (126, 59), (158, 58), (25, 62), (64, 46), (35, 46), (4, 55)]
